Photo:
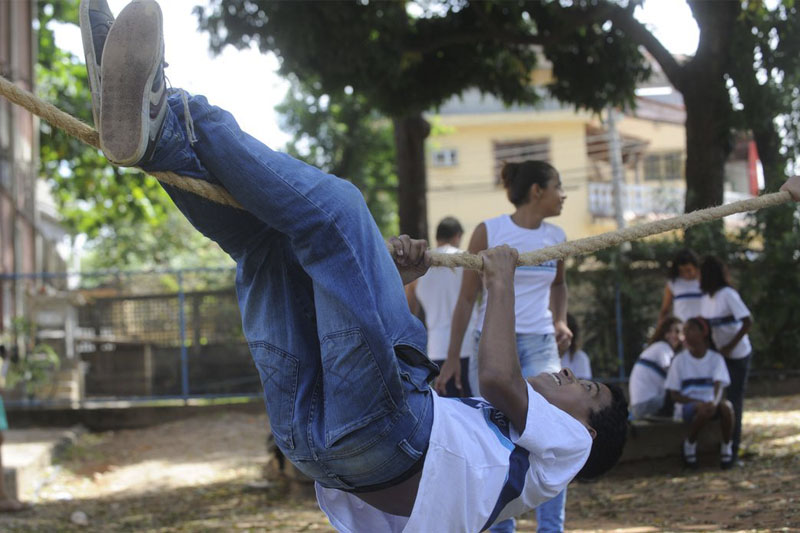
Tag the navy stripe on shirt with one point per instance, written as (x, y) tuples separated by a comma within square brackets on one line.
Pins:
[(688, 295), (518, 461), (697, 382), (652, 366), (723, 320), (518, 464)]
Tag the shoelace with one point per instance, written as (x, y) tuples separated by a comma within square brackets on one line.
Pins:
[(187, 115)]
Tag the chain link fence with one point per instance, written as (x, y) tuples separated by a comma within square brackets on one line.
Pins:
[(135, 335)]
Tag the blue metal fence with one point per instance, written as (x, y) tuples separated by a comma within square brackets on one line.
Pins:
[(140, 335)]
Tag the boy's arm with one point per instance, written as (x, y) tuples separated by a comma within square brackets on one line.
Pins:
[(719, 388), (499, 373), (411, 257), (677, 397), (792, 186)]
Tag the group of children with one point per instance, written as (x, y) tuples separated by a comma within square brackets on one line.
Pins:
[(706, 379)]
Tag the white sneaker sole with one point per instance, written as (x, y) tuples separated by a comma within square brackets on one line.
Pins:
[(131, 58)]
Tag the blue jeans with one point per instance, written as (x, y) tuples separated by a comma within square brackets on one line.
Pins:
[(537, 353), (322, 304)]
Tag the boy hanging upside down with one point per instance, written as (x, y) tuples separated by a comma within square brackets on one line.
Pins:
[(341, 358)]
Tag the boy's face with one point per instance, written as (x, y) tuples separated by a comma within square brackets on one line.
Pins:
[(577, 397), (693, 336)]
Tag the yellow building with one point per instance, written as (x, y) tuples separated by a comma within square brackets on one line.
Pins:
[(473, 136)]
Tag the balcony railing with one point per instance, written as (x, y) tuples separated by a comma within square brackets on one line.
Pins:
[(644, 200)]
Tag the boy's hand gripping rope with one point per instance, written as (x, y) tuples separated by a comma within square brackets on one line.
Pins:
[(217, 194)]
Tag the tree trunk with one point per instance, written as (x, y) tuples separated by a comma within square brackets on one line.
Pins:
[(708, 143), (708, 108), (410, 132)]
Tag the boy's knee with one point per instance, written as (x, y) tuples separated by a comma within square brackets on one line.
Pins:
[(726, 408)]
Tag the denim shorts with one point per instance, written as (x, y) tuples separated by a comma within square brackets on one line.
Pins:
[(690, 409), (537, 353)]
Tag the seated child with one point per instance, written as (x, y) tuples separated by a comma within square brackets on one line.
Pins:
[(696, 379), (341, 357), (646, 384)]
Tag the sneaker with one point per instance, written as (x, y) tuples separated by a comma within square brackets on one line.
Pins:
[(133, 95), (726, 456), (689, 454), (96, 20)]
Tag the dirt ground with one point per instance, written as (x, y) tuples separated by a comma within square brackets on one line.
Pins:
[(211, 473)]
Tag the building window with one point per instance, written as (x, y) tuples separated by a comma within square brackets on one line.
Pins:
[(518, 151), (664, 166), (445, 158)]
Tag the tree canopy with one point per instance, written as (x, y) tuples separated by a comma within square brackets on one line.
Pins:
[(341, 135), (410, 57)]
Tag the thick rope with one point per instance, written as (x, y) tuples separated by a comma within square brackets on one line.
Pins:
[(88, 135)]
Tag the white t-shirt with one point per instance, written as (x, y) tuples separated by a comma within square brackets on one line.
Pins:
[(478, 470), (437, 292), (695, 377), (579, 364), (686, 295), (531, 283), (724, 312), (649, 372)]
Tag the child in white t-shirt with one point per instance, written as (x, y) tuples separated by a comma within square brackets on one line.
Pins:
[(730, 322), (646, 383), (682, 291), (696, 381)]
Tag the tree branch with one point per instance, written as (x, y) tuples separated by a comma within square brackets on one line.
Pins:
[(640, 34)]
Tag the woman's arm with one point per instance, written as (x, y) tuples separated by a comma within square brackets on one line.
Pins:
[(558, 308), (666, 304), (470, 285), (726, 350)]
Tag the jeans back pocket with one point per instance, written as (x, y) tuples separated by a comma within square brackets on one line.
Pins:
[(354, 391), (278, 371)]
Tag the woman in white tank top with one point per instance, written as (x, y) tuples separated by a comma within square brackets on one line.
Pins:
[(540, 292)]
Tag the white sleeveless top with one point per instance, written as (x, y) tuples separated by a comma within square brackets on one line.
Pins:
[(686, 295), (531, 283)]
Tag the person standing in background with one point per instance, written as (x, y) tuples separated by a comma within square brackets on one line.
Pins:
[(730, 321), (575, 358), (540, 292), (682, 292), (436, 294)]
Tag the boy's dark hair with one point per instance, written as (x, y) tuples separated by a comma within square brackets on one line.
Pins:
[(519, 177), (684, 256), (713, 275), (448, 228), (611, 425)]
